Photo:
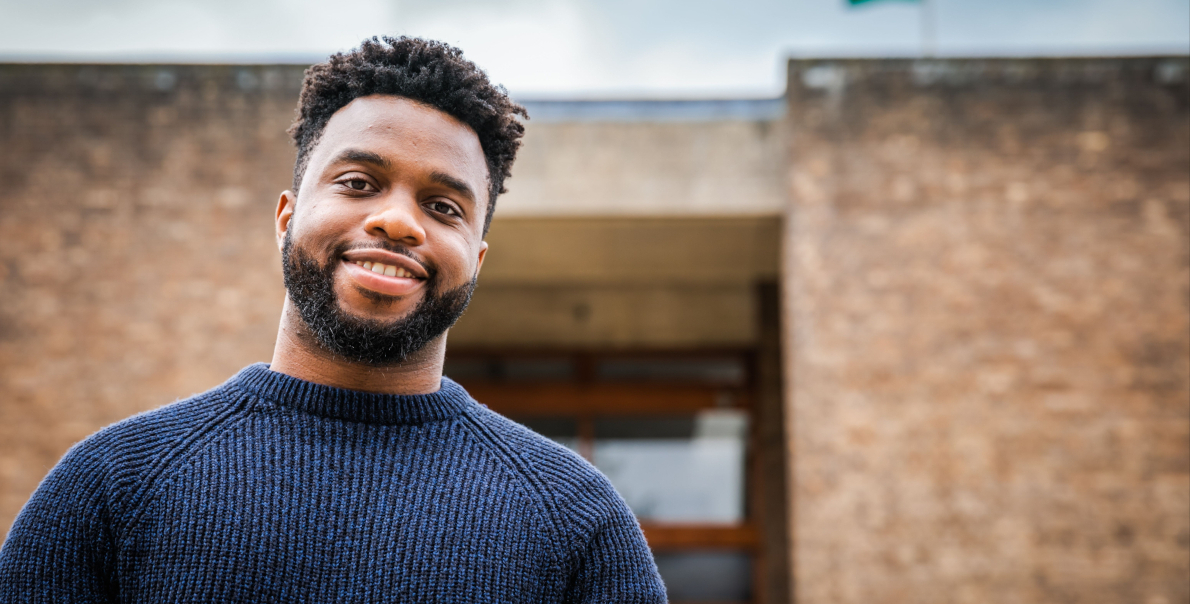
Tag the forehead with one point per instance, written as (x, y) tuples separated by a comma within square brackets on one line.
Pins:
[(408, 133)]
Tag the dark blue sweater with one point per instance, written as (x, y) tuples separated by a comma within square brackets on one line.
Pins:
[(273, 489)]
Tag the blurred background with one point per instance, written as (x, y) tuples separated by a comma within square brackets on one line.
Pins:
[(854, 301)]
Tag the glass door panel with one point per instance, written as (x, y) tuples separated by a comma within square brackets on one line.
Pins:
[(706, 576), (685, 469)]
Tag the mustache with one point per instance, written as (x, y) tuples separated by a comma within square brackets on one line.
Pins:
[(388, 246)]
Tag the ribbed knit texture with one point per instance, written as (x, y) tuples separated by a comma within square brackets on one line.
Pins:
[(273, 489)]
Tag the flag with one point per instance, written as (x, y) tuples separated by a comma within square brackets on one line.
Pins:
[(859, 2)]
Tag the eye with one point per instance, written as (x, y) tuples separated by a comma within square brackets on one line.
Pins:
[(355, 182), (442, 207), (358, 184)]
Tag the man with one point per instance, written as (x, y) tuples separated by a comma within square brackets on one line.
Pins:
[(349, 469)]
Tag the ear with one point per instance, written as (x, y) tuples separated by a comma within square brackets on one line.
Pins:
[(483, 252), (285, 207)]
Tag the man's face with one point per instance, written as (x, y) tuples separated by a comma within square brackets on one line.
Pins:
[(382, 250)]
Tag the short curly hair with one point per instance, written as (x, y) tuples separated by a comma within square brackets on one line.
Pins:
[(421, 70)]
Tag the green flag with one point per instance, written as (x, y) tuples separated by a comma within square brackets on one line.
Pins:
[(859, 2)]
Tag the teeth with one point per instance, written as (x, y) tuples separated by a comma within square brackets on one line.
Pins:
[(384, 269)]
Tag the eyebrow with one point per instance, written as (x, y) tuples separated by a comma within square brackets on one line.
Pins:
[(451, 182), (362, 157)]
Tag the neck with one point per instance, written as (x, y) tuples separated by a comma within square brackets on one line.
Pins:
[(299, 354)]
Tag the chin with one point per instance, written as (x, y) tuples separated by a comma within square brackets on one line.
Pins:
[(372, 306), (364, 303)]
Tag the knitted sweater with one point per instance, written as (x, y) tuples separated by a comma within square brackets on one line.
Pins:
[(273, 489)]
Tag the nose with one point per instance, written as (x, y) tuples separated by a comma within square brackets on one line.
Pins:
[(397, 218)]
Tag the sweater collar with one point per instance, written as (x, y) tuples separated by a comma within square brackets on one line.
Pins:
[(351, 405)]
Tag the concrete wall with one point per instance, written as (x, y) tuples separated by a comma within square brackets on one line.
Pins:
[(619, 168), (669, 283), (987, 287)]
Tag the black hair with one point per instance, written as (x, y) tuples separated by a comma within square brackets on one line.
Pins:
[(421, 70)]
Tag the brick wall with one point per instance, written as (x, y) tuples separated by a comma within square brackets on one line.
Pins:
[(137, 261), (988, 288)]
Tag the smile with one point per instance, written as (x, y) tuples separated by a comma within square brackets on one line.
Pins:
[(382, 278), (385, 269)]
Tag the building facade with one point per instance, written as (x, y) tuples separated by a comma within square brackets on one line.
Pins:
[(918, 331)]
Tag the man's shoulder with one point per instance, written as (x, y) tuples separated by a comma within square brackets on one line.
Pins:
[(164, 424), (121, 463), (150, 438), (554, 471), (585, 512)]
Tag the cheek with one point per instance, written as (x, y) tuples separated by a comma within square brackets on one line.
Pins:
[(318, 229), (459, 261)]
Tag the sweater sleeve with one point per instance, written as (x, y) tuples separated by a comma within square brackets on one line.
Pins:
[(616, 566), (60, 547), (602, 554)]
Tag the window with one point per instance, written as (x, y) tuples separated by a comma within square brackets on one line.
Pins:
[(672, 431)]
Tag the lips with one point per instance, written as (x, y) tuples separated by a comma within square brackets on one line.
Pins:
[(384, 272), (387, 270)]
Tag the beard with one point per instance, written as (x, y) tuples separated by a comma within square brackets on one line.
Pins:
[(311, 287)]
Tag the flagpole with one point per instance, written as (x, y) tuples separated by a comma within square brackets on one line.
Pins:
[(927, 27)]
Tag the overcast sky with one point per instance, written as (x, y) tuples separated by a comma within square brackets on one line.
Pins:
[(590, 48)]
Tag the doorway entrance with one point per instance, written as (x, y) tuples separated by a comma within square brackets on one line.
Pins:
[(645, 346)]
